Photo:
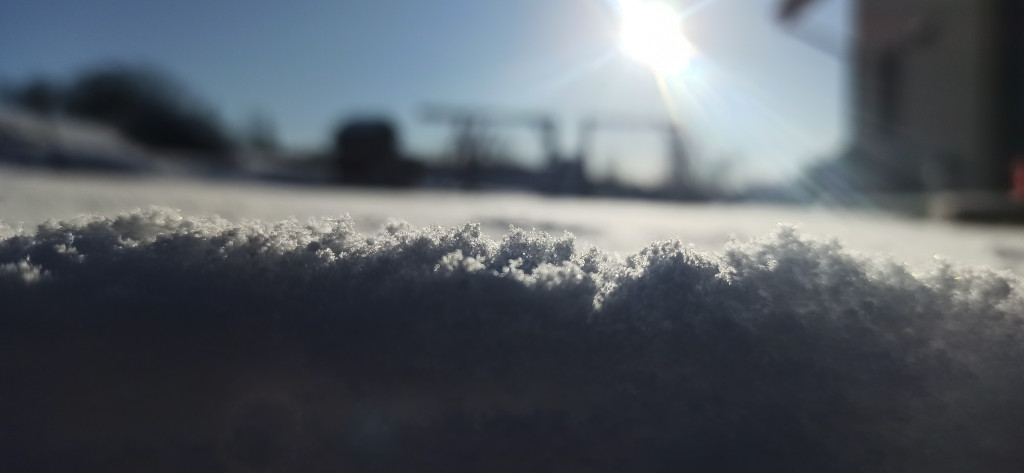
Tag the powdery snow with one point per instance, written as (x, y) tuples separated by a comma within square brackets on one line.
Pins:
[(31, 197), (155, 340)]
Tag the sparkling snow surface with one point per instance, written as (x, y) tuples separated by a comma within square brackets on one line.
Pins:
[(29, 198)]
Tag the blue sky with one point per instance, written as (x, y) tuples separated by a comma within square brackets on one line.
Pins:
[(753, 96)]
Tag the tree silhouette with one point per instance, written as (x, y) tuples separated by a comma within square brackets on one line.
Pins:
[(148, 106), (38, 95)]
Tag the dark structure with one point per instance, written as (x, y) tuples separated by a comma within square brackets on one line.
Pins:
[(367, 153)]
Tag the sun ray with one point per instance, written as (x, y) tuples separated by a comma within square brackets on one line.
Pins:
[(566, 78), (670, 105), (696, 7)]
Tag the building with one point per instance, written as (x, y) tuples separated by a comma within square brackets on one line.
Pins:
[(938, 100)]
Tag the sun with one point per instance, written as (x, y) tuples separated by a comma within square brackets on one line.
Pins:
[(651, 33)]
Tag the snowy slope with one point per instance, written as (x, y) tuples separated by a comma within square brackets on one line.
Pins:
[(27, 138)]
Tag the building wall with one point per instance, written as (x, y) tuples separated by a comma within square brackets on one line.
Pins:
[(925, 93), (1009, 91)]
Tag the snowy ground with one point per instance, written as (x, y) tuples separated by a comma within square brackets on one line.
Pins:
[(30, 197), (160, 341)]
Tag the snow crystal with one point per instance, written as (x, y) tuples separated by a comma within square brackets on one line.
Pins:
[(199, 344)]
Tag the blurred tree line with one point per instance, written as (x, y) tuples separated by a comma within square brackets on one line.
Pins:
[(146, 105)]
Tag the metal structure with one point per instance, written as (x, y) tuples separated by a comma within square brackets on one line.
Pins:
[(564, 174), (466, 119), (560, 176), (680, 177)]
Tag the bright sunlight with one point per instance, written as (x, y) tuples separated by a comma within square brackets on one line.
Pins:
[(651, 34)]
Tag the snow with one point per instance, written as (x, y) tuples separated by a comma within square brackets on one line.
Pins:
[(198, 343), (30, 197), (33, 139)]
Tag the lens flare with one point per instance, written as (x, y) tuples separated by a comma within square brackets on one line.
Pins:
[(652, 35)]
